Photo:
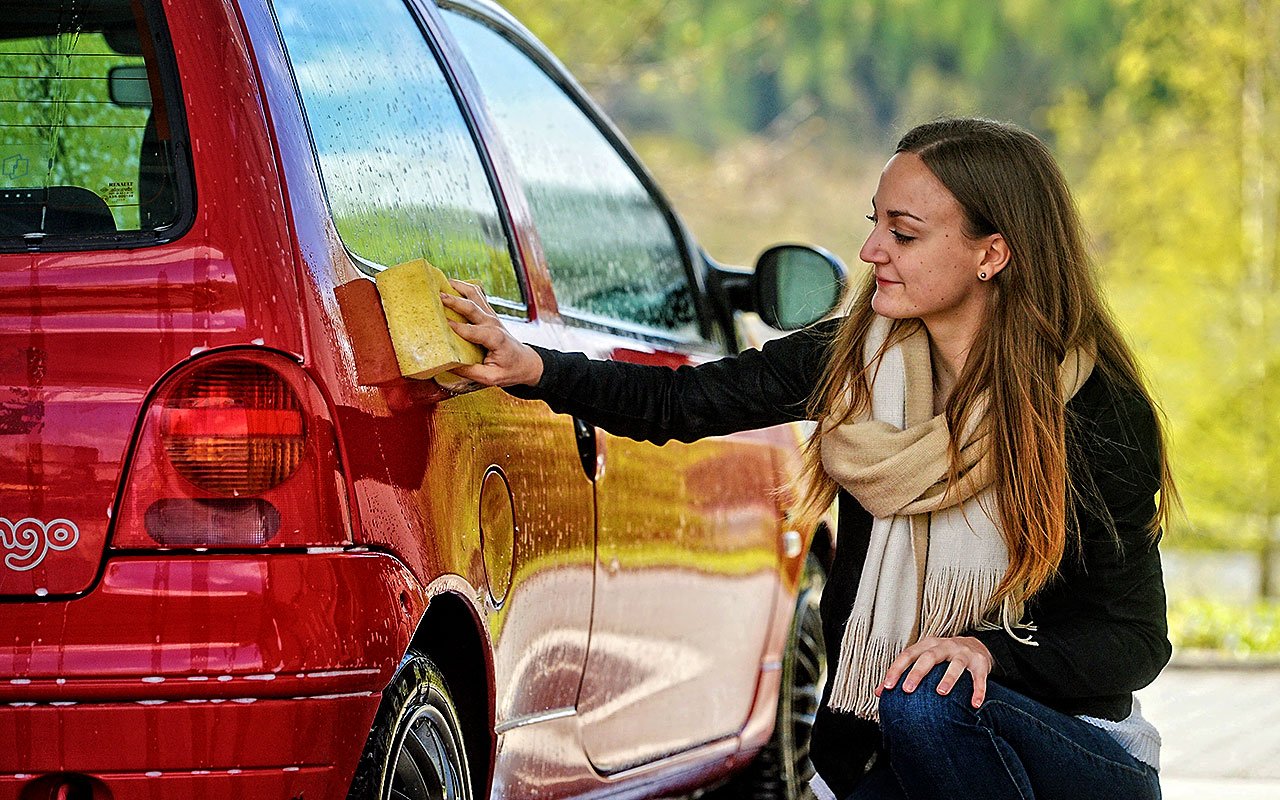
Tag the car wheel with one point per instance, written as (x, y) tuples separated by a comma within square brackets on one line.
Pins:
[(415, 750), (781, 771)]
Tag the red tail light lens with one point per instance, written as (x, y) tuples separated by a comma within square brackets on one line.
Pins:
[(236, 450), (234, 429)]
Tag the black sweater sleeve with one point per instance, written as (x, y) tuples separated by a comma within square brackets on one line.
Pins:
[(754, 389), (1101, 625)]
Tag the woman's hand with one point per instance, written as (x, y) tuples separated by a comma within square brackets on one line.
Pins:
[(963, 652), (508, 360)]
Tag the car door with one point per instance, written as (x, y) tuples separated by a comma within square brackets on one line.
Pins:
[(687, 534), (482, 485)]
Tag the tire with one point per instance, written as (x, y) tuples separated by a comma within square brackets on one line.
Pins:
[(782, 769), (415, 749)]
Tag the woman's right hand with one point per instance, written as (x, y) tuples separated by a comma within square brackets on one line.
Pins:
[(508, 361)]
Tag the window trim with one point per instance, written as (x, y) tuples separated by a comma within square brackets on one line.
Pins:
[(166, 64), (506, 26), (633, 330), (504, 307)]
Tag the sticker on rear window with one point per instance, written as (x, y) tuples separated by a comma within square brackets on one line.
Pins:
[(29, 540)]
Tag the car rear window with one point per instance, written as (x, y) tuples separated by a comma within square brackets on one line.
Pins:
[(90, 151)]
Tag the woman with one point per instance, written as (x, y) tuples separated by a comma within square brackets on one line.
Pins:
[(997, 595)]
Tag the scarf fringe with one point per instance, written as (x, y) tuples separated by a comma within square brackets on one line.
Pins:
[(953, 602), (956, 600), (863, 663)]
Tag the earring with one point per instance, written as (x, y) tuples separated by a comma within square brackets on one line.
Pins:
[(982, 276)]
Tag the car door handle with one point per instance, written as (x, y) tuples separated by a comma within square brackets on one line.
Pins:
[(590, 448)]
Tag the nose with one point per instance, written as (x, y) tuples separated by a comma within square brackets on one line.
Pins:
[(871, 251)]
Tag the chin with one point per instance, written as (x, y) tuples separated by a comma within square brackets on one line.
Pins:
[(887, 308)]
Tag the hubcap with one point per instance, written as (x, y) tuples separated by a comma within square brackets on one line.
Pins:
[(427, 762)]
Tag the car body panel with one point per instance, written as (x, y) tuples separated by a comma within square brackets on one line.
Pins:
[(213, 663), (84, 337), (686, 570), (184, 749)]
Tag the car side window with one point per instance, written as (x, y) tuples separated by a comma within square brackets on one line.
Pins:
[(400, 164), (612, 252)]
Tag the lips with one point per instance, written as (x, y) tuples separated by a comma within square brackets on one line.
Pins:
[(882, 282)]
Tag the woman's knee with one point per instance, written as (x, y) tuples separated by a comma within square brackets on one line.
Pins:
[(924, 708)]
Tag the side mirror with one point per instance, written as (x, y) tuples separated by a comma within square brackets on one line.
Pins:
[(797, 285)]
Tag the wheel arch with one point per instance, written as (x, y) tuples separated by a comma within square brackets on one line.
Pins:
[(451, 635)]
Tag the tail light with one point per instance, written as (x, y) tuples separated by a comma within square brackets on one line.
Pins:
[(236, 450), (235, 428)]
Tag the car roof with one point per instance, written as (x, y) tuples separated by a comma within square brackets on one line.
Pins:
[(494, 11), (487, 7)]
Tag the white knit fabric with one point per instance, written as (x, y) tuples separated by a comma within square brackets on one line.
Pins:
[(1134, 733), (820, 788)]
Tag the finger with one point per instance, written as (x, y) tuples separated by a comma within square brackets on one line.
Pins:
[(487, 336), (480, 373), (979, 673), (467, 308), (481, 301), (924, 663), (471, 291), (461, 286), (955, 669), (896, 668)]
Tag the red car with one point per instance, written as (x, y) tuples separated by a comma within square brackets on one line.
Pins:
[(228, 568)]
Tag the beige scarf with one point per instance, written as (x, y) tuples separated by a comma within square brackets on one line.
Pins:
[(936, 553)]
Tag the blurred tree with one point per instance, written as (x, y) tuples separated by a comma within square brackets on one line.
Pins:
[(774, 116), (1180, 166), (711, 70)]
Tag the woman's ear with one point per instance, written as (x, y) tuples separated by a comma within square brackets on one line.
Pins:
[(995, 257)]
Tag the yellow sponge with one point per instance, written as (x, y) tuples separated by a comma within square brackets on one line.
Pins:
[(424, 343)]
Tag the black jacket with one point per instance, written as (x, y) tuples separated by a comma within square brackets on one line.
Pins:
[(1101, 628)]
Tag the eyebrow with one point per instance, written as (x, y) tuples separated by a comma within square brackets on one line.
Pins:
[(893, 214)]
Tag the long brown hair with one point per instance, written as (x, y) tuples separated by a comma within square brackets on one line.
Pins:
[(1045, 302)]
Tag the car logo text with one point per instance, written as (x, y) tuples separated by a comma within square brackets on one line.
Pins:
[(30, 540)]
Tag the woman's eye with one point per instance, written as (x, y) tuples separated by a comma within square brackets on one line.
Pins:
[(900, 238)]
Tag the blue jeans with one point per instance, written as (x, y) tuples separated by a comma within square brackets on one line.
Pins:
[(1012, 748)]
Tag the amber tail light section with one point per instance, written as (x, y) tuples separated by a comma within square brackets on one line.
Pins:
[(236, 450), (234, 428)]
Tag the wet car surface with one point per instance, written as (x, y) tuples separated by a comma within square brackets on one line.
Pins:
[(229, 569)]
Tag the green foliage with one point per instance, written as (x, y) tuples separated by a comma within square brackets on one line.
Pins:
[(1178, 182), (455, 240), (713, 69), (1205, 624)]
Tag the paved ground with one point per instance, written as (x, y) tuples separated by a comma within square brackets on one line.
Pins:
[(1221, 731)]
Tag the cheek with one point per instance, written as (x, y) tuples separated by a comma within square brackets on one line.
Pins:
[(942, 280)]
